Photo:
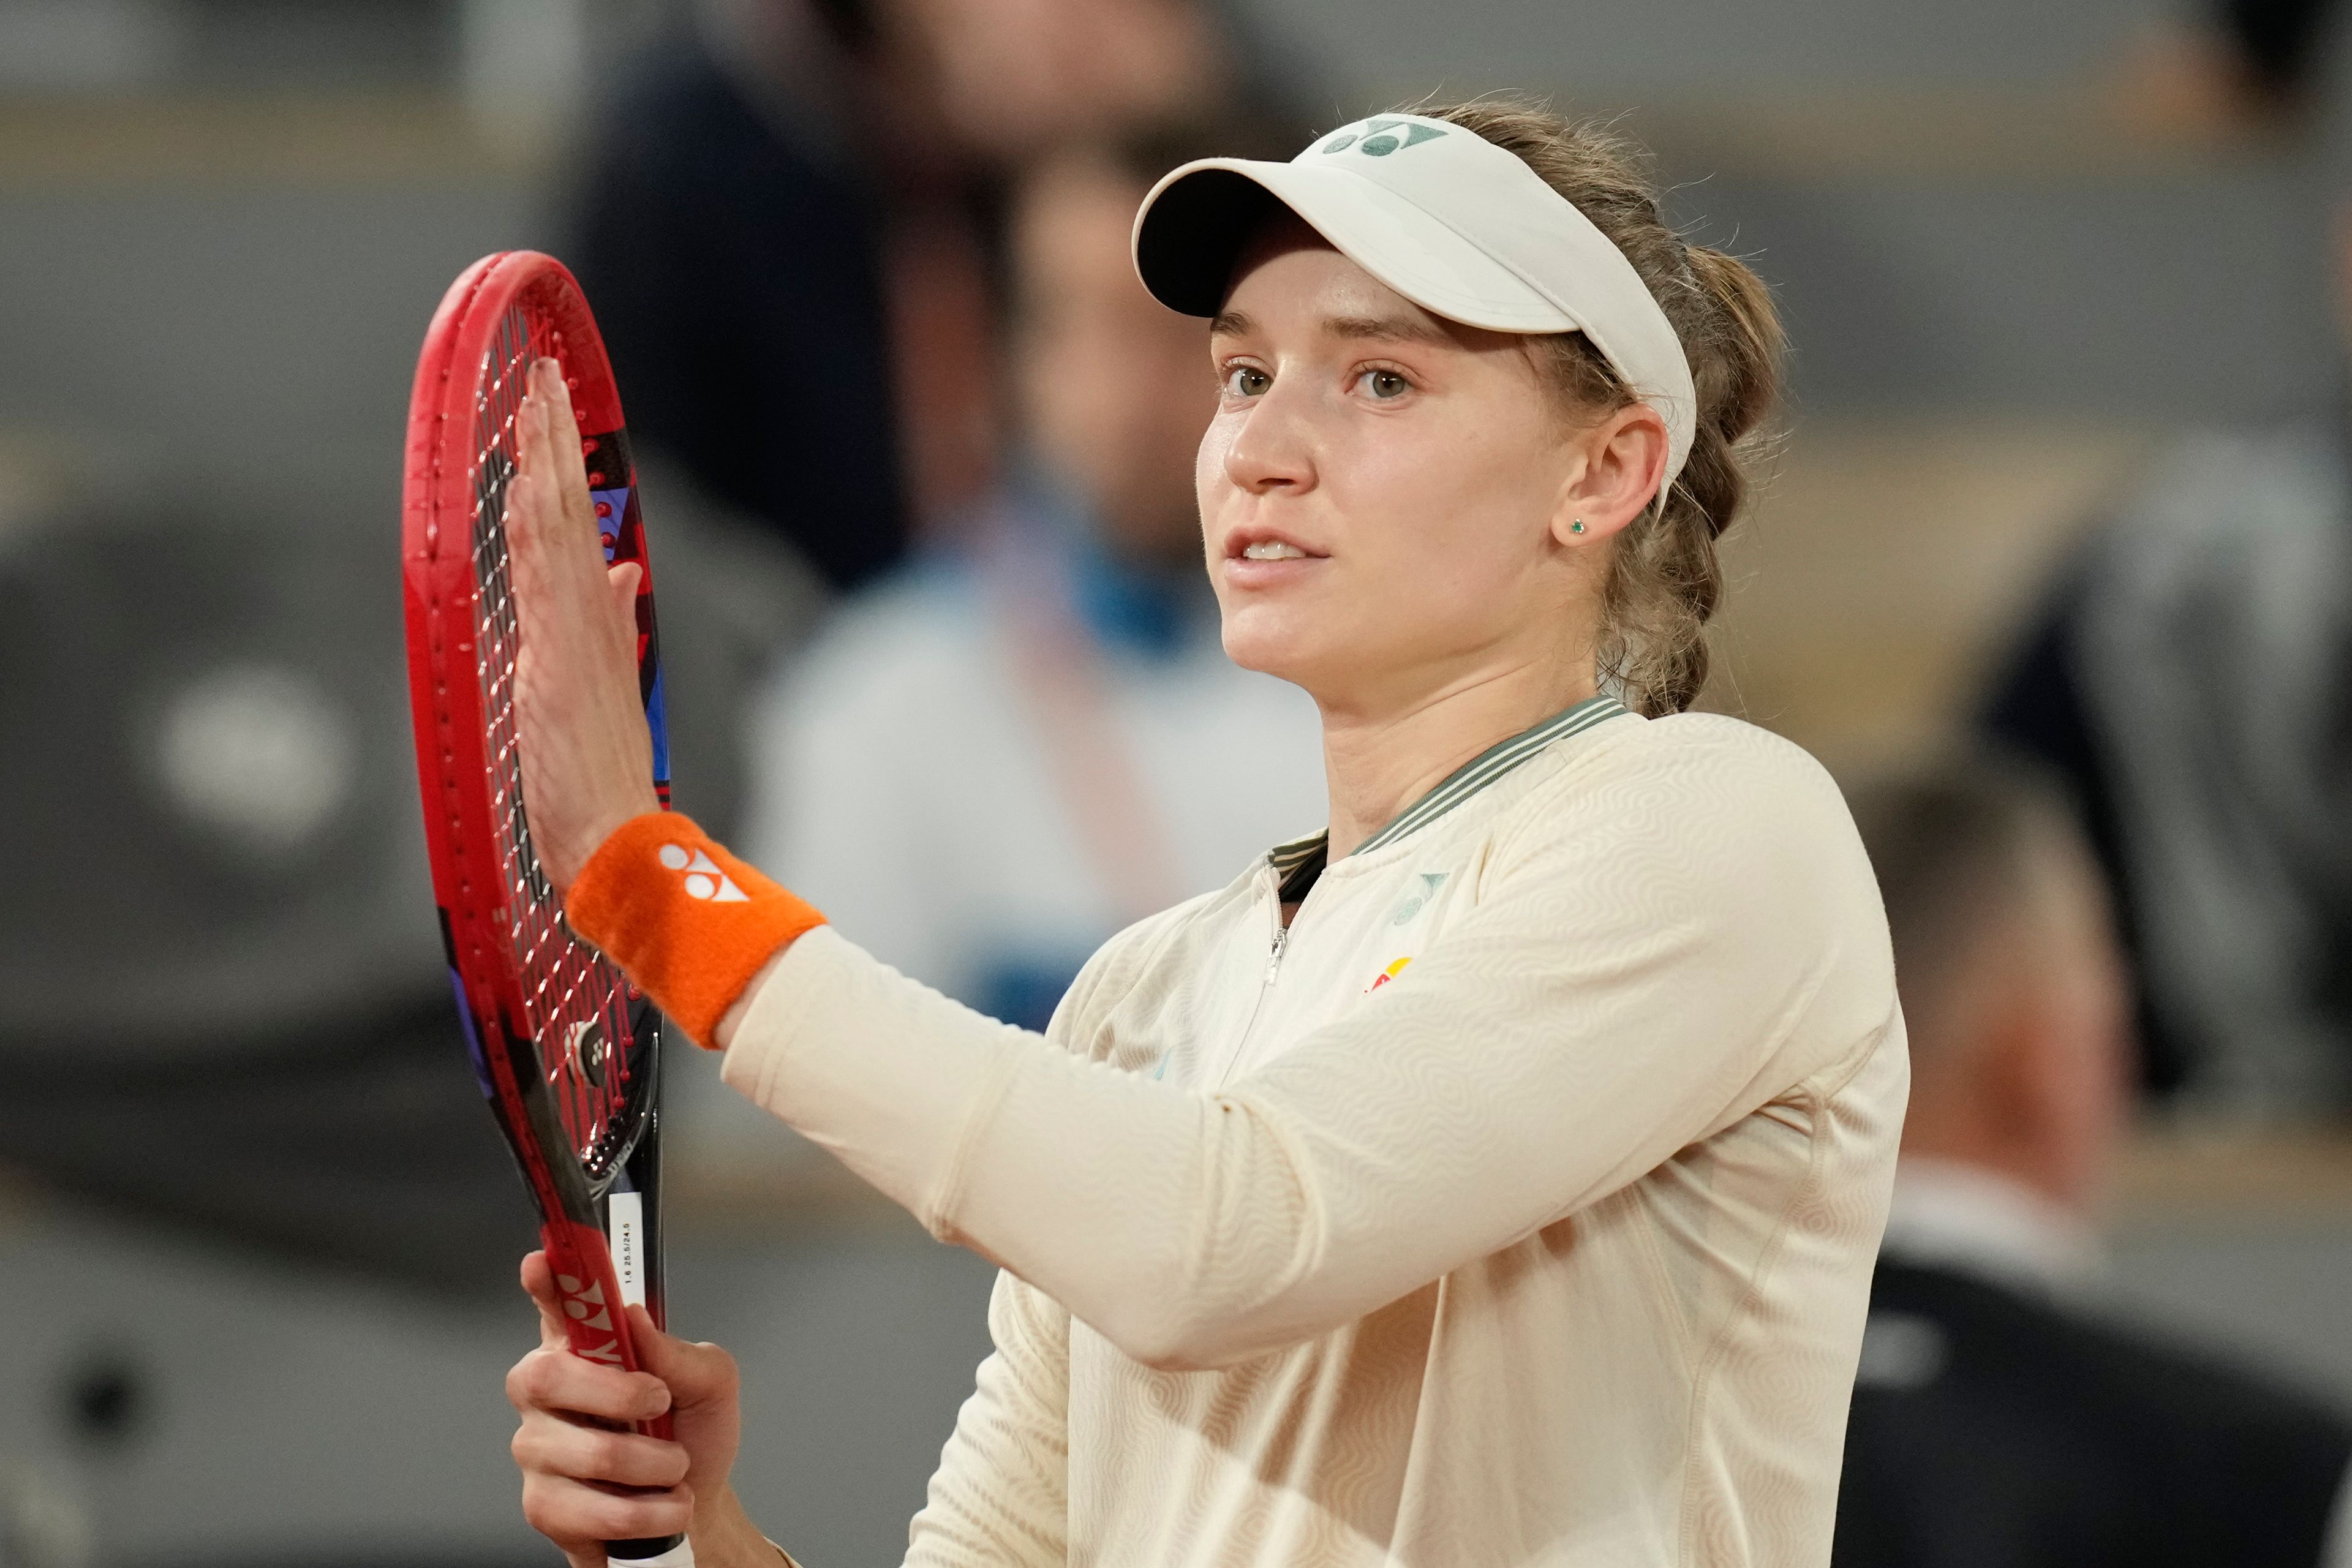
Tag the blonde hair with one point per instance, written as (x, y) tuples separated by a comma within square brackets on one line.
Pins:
[(1663, 577)]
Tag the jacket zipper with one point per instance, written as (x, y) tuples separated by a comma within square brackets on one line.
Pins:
[(1266, 983)]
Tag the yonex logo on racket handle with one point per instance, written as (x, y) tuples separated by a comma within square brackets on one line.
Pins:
[(584, 1303), (704, 879)]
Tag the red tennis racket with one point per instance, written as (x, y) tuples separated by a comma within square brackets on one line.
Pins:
[(567, 1051)]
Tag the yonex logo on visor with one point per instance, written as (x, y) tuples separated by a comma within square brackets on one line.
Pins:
[(1374, 141)]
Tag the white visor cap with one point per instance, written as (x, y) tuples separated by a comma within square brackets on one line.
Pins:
[(1456, 225)]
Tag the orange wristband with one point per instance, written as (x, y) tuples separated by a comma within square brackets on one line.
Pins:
[(688, 921)]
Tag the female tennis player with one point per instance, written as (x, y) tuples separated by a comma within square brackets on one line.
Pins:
[(1492, 1178)]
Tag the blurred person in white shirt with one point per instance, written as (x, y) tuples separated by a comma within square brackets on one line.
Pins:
[(1033, 737)]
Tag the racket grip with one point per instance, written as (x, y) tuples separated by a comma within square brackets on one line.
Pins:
[(598, 1330)]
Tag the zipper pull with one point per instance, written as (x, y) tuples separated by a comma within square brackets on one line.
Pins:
[(1274, 959)]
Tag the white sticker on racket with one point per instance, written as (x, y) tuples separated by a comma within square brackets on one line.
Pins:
[(624, 1229)]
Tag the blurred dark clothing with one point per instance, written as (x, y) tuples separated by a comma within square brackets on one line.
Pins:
[(1996, 1423), (2191, 677), (2280, 40), (2048, 1439), (2040, 709), (733, 252)]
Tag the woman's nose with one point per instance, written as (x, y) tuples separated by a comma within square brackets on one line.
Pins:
[(1274, 449)]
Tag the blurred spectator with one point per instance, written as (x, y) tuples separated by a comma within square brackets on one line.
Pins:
[(986, 767), (1997, 1422), (2192, 679), (786, 231), (729, 240)]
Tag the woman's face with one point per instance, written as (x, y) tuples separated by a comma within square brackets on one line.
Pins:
[(1410, 479)]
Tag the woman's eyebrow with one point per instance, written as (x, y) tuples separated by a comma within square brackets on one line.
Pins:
[(1387, 329), (1369, 329)]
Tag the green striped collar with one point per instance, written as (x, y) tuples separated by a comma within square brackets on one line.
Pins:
[(1301, 860)]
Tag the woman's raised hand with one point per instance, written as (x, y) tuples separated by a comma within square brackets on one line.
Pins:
[(587, 756), (586, 1479)]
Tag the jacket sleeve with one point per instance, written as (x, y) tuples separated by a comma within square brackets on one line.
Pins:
[(1000, 1497), (1631, 978)]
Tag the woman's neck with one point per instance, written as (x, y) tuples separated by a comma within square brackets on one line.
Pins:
[(1377, 760)]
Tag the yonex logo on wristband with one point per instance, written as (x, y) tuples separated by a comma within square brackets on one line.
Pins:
[(704, 879)]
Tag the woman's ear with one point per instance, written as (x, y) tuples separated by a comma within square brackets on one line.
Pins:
[(1625, 460)]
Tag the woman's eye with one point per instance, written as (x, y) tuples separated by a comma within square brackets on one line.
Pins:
[(1385, 385), (1246, 381)]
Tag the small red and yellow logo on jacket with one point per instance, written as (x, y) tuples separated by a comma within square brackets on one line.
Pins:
[(1385, 975)]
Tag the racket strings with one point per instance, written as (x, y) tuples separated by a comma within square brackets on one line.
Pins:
[(576, 1002)]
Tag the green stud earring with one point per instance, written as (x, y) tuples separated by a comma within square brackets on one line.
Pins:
[(1577, 526)]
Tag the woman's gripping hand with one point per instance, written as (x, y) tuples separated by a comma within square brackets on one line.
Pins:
[(587, 1478)]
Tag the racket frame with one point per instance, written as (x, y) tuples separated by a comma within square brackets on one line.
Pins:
[(441, 495)]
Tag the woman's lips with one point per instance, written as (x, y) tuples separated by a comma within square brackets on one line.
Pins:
[(1244, 572), (1264, 560)]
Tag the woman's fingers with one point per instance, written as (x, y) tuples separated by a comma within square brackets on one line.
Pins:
[(549, 442), (532, 489), (621, 580), (567, 1510), (587, 756), (558, 521), (539, 1283), (563, 434), (554, 1380), (548, 1444)]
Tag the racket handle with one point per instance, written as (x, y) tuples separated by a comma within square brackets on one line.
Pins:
[(598, 1330)]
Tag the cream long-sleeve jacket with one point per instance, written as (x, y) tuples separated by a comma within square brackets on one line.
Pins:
[(1516, 1205)]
